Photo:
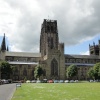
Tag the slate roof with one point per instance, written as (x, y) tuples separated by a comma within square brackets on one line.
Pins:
[(24, 63), (82, 56), (80, 64), (22, 54)]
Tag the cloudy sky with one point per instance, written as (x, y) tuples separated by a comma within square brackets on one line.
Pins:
[(78, 23)]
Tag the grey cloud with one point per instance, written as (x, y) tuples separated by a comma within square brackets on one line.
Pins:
[(85, 27), (77, 21)]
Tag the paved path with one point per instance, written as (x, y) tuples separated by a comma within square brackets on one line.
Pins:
[(7, 91)]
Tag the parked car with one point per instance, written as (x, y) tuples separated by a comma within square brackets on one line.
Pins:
[(50, 81), (38, 81), (76, 81), (33, 81), (61, 81), (9, 80), (28, 81), (22, 81), (66, 81), (44, 81), (4, 81), (91, 81), (55, 81), (71, 81)]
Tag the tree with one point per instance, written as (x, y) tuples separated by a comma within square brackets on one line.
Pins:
[(99, 73), (91, 73), (97, 70), (6, 70), (38, 71), (72, 71)]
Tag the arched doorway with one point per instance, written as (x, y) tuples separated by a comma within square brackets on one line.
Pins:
[(24, 72)]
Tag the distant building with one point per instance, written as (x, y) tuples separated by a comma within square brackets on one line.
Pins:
[(51, 57)]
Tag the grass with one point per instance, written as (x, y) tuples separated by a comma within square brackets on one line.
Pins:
[(58, 91)]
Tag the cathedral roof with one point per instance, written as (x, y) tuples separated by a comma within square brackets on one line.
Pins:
[(24, 63), (80, 64), (22, 54), (82, 56)]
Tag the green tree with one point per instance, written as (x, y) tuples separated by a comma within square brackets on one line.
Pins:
[(99, 73), (97, 70), (72, 71), (38, 71), (6, 70), (91, 73)]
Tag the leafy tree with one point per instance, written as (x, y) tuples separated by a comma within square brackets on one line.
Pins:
[(6, 70), (97, 71), (72, 71), (38, 71), (91, 73)]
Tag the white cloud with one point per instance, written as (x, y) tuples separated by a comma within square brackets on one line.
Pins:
[(78, 21), (84, 53)]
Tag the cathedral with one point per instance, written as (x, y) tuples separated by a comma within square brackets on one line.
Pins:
[(51, 57)]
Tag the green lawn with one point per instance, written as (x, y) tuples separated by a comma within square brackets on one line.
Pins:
[(58, 91)]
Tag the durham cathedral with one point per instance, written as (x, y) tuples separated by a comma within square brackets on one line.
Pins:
[(51, 57)]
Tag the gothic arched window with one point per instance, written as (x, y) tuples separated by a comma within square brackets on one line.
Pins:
[(54, 68), (25, 72), (33, 72), (52, 28), (52, 44), (48, 28), (15, 71), (44, 72)]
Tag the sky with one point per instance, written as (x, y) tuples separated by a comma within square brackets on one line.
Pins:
[(78, 23)]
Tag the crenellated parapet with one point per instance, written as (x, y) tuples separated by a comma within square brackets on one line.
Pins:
[(94, 49)]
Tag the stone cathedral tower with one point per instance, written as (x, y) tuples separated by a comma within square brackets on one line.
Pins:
[(52, 52), (3, 45)]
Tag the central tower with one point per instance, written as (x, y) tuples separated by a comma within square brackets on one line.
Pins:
[(49, 36), (52, 52)]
